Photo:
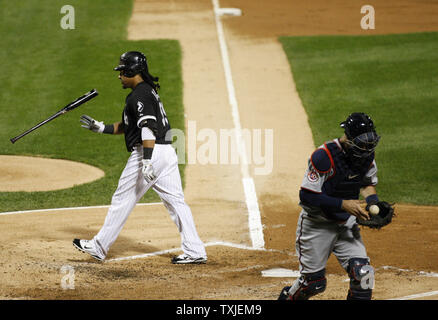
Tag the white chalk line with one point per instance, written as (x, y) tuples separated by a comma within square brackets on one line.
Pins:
[(416, 296), (208, 244), (421, 273), (245, 247), (72, 208), (254, 218)]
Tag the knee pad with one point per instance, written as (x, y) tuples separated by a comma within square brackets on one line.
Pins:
[(361, 279), (308, 285)]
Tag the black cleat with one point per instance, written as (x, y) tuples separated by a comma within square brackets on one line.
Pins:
[(284, 295)]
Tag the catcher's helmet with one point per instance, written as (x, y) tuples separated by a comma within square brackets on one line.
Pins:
[(361, 134), (132, 63)]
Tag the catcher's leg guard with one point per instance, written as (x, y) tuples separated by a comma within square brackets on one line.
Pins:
[(305, 287), (361, 279)]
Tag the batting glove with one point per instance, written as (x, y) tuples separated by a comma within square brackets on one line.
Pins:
[(148, 170), (91, 124)]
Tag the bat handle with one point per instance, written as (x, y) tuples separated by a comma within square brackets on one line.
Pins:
[(14, 139), (89, 95)]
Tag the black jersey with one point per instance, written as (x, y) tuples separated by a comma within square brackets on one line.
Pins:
[(143, 108)]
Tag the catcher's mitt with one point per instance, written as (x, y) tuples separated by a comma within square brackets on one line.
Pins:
[(383, 218)]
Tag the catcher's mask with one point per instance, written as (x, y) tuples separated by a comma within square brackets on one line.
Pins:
[(362, 138), (132, 63)]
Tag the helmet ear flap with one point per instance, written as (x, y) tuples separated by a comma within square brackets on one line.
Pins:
[(129, 71)]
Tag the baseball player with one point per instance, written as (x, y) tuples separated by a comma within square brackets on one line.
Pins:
[(153, 163), (338, 172)]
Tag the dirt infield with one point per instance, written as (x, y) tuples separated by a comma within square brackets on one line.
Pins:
[(36, 246)]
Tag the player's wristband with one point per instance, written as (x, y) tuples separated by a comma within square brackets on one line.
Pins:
[(109, 128), (147, 153), (372, 199)]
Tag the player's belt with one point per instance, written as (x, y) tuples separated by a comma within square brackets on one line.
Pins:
[(163, 142), (135, 146)]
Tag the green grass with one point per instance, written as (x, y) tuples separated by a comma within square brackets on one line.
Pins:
[(45, 67), (394, 79)]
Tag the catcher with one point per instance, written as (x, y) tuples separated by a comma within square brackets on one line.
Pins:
[(339, 172)]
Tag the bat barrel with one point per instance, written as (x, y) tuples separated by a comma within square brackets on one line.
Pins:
[(86, 97)]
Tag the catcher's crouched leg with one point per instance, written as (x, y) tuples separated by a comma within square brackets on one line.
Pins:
[(305, 287), (361, 279)]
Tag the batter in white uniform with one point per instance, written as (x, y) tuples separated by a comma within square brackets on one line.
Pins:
[(153, 164)]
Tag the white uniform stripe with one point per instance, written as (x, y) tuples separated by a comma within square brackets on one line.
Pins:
[(145, 118)]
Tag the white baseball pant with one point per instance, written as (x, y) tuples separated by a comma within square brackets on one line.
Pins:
[(131, 188)]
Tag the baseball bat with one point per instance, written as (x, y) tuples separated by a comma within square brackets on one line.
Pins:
[(72, 105)]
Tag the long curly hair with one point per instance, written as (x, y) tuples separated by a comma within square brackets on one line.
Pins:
[(150, 79)]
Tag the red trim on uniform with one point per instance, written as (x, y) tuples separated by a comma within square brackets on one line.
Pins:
[(298, 240), (331, 160), (293, 297), (320, 171), (318, 192), (301, 288), (329, 154)]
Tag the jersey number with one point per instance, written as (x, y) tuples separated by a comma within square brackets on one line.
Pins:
[(163, 114)]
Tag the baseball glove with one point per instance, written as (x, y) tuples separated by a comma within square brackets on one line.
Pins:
[(383, 218)]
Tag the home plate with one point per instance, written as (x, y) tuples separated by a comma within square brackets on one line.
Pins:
[(280, 273), (229, 12)]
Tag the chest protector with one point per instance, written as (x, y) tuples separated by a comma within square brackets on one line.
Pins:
[(347, 177)]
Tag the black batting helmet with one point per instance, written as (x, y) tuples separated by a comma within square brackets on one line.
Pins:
[(361, 134), (132, 63)]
